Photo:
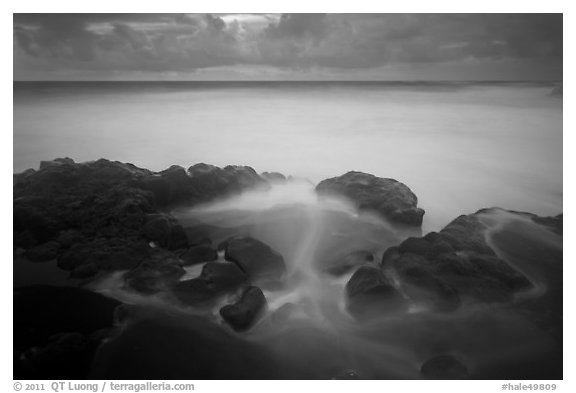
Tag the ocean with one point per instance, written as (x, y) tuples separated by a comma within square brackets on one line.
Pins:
[(458, 146)]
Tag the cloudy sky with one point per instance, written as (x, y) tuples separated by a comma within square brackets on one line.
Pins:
[(287, 46)]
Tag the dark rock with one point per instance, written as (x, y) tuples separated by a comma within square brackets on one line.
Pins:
[(216, 279), (369, 292), (106, 254), (85, 270), (423, 286), (70, 237), (389, 255), (388, 197), (183, 347), (24, 239), (159, 188), (431, 246), (555, 224), (37, 225), (56, 162), (40, 312), (466, 233), (258, 260), (165, 230), (198, 254), (242, 314), (273, 177), (442, 268), (444, 367), (177, 182), (44, 252), (209, 181), (161, 271)]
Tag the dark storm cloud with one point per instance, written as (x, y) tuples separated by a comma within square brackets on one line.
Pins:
[(177, 42)]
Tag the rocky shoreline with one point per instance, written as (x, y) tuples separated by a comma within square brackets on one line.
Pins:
[(98, 217)]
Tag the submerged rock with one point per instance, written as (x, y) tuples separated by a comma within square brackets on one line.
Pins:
[(258, 260), (242, 314), (343, 264), (198, 254), (216, 279), (444, 367), (388, 197), (370, 292)]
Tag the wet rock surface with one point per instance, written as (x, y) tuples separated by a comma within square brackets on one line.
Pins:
[(216, 279), (243, 314), (258, 260), (198, 254), (388, 197), (103, 216), (82, 213), (441, 269), (370, 292)]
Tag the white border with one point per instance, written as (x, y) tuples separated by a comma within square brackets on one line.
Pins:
[(229, 6)]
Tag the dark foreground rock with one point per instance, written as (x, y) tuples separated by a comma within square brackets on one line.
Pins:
[(444, 367), (57, 330), (258, 260), (83, 213), (216, 279), (388, 197), (370, 292), (183, 347), (243, 314), (442, 268)]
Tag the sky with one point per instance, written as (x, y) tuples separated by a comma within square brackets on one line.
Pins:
[(287, 47)]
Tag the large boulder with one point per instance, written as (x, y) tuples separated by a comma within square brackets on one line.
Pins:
[(210, 182), (258, 260), (388, 197), (369, 292), (216, 279), (243, 314), (442, 268)]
